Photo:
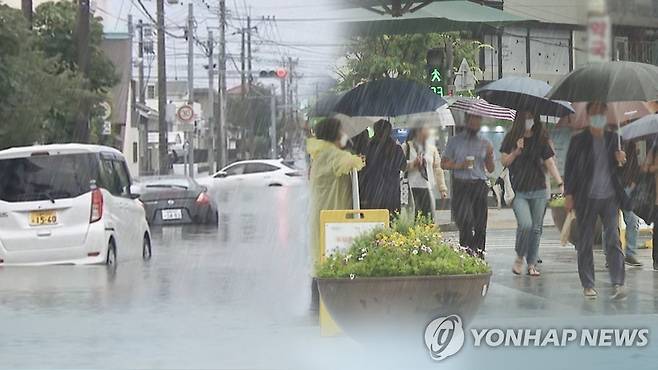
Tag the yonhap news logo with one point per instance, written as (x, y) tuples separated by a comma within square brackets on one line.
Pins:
[(445, 336)]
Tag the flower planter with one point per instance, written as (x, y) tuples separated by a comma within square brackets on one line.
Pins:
[(399, 307)]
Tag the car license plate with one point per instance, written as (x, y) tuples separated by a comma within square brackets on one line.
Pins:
[(172, 214), (40, 218)]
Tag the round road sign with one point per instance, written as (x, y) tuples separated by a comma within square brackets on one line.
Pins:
[(185, 113)]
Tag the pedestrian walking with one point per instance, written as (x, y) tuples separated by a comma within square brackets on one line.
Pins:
[(470, 157), (593, 188), (380, 179), (330, 183), (651, 166), (629, 177), (424, 171), (526, 152)]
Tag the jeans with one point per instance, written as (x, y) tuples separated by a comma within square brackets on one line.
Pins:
[(529, 208), (632, 222), (607, 209), (469, 207)]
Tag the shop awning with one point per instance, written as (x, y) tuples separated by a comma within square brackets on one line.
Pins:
[(441, 16)]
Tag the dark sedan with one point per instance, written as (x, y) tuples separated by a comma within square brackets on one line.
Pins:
[(176, 200)]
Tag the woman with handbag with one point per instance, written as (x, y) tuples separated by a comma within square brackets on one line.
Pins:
[(424, 171), (526, 151)]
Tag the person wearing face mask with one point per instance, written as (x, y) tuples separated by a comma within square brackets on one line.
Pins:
[(330, 183), (593, 188), (470, 156), (526, 151), (424, 171)]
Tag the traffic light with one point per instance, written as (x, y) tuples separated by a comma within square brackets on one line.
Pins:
[(277, 73)]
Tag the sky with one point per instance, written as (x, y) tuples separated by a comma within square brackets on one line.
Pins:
[(292, 34)]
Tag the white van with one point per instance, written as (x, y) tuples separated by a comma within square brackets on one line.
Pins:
[(69, 204)]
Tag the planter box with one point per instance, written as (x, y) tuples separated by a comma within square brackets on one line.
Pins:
[(400, 307)]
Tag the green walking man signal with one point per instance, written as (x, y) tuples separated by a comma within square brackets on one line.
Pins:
[(436, 82)]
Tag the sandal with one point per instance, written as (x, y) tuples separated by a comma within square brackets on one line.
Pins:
[(532, 271), (518, 265)]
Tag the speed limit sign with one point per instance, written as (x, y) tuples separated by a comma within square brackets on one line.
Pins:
[(185, 113)]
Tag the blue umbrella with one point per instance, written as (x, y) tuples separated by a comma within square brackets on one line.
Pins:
[(524, 94), (642, 128), (389, 97)]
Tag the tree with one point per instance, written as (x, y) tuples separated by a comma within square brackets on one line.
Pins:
[(402, 56), (54, 23), (31, 85), (40, 85), (252, 116)]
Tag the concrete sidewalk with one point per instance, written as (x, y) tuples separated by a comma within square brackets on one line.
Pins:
[(498, 218)]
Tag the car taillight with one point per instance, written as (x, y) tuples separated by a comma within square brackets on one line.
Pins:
[(203, 198), (96, 205)]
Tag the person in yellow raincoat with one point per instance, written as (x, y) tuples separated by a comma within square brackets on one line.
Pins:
[(330, 182)]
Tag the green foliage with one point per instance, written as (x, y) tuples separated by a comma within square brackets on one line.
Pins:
[(402, 56), (54, 24), (40, 85), (405, 249), (251, 115)]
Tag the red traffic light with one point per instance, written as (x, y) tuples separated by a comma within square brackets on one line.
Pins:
[(281, 73)]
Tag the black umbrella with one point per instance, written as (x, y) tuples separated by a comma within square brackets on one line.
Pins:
[(608, 82), (524, 94), (389, 98)]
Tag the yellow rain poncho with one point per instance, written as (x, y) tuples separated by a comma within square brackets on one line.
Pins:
[(331, 186)]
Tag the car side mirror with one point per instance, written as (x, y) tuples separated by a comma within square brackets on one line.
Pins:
[(135, 191), (221, 174)]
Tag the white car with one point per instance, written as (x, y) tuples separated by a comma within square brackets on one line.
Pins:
[(69, 204), (255, 173)]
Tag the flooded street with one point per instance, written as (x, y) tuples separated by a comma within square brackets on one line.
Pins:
[(238, 296), (203, 300)]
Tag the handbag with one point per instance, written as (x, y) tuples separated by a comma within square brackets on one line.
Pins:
[(643, 197), (565, 233), (406, 196), (405, 191), (508, 192)]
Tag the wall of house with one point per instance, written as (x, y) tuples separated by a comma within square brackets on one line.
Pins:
[(549, 56)]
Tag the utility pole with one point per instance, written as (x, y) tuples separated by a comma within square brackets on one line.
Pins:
[(223, 152), (162, 93), (81, 131), (26, 7), (143, 121), (291, 101), (242, 66), (211, 104), (190, 87), (284, 94), (249, 77), (273, 142)]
